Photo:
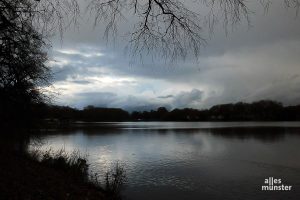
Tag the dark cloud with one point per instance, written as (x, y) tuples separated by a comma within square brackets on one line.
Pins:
[(81, 82), (250, 63), (188, 99), (100, 99), (166, 97)]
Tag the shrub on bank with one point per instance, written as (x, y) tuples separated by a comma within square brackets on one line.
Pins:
[(75, 166)]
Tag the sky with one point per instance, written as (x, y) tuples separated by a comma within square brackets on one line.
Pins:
[(249, 63)]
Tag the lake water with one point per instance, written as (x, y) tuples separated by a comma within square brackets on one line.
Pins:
[(190, 160)]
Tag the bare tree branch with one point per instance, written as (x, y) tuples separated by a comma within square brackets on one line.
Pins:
[(168, 28)]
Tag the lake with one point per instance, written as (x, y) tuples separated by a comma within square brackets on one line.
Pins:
[(190, 160)]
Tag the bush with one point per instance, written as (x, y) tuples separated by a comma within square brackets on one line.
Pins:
[(73, 164), (114, 181)]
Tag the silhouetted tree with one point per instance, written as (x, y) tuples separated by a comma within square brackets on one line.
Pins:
[(91, 113), (264, 110), (162, 113), (22, 60), (24, 25)]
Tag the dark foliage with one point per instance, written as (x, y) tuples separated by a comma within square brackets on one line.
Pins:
[(114, 182), (22, 61), (31, 173), (43, 175), (261, 111), (65, 114), (24, 28), (264, 110)]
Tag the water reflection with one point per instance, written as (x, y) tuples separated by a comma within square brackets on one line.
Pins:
[(263, 134), (272, 134), (187, 163)]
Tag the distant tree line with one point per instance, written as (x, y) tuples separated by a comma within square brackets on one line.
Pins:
[(264, 110)]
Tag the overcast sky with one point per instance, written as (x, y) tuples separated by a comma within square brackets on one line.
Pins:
[(249, 64)]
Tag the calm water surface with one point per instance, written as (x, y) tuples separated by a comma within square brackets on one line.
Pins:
[(191, 160)]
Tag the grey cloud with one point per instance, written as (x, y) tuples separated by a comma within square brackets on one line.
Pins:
[(165, 97), (99, 99), (110, 99), (133, 103), (70, 65), (249, 64), (81, 82), (188, 99)]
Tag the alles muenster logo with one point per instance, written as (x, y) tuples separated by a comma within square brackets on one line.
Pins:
[(275, 184)]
